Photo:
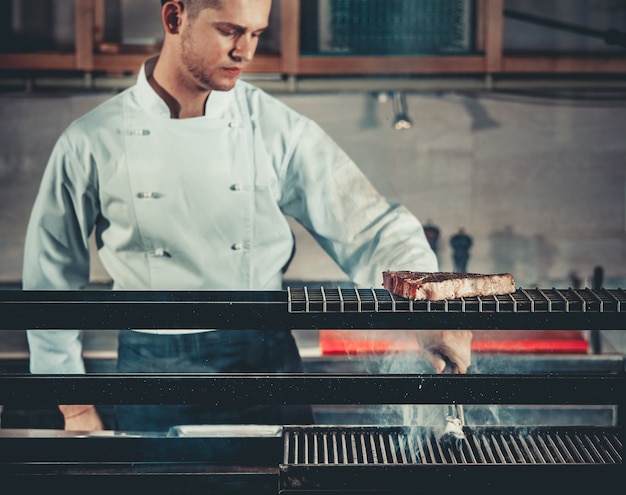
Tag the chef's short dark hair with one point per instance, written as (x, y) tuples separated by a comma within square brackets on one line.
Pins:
[(194, 7), (205, 3)]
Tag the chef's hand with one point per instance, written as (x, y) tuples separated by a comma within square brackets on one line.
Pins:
[(449, 351), (81, 417)]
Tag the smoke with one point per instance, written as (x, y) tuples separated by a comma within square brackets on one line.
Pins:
[(389, 352), (396, 352)]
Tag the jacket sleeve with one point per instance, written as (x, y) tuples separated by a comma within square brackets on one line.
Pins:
[(56, 251), (361, 230)]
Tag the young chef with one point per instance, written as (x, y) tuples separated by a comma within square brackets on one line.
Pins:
[(186, 179)]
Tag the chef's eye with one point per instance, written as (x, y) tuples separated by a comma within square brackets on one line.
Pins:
[(228, 32)]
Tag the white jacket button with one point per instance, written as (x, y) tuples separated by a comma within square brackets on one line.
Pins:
[(238, 246), (148, 195), (236, 187)]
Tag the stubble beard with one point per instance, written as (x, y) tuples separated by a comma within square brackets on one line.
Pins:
[(194, 66)]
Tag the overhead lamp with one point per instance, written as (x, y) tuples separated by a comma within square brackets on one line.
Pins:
[(401, 120)]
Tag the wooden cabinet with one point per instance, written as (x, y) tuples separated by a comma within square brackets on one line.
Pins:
[(92, 54)]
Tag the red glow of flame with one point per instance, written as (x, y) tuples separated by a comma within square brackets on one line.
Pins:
[(333, 342)]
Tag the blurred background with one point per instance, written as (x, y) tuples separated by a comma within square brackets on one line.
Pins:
[(503, 118)]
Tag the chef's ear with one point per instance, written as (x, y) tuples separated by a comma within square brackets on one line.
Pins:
[(171, 13)]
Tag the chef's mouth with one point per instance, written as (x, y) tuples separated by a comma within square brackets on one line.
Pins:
[(233, 71)]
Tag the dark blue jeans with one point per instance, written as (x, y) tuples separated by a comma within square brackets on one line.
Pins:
[(230, 351)]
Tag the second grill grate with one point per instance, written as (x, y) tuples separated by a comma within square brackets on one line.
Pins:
[(402, 445)]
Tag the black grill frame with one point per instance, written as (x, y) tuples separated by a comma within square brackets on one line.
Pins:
[(313, 309), (526, 309)]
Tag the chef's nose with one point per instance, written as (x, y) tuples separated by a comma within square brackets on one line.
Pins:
[(244, 48)]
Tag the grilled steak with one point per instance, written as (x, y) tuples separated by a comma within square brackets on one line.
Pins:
[(437, 286)]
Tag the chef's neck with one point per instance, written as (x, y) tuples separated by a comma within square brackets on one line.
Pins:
[(183, 102)]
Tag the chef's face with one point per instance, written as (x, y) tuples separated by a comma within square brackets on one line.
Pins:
[(217, 44)]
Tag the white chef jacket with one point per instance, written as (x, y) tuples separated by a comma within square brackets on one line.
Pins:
[(200, 204)]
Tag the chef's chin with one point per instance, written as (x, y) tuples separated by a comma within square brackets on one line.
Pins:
[(224, 85)]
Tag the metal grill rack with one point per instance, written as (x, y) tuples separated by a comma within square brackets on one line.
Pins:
[(408, 446), (521, 301), (523, 309), (395, 460)]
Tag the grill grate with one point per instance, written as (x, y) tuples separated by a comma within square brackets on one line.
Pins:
[(321, 300), (406, 446)]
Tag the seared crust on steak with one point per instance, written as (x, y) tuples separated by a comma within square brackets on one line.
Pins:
[(437, 286)]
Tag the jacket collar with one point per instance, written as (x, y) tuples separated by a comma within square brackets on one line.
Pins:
[(216, 103)]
